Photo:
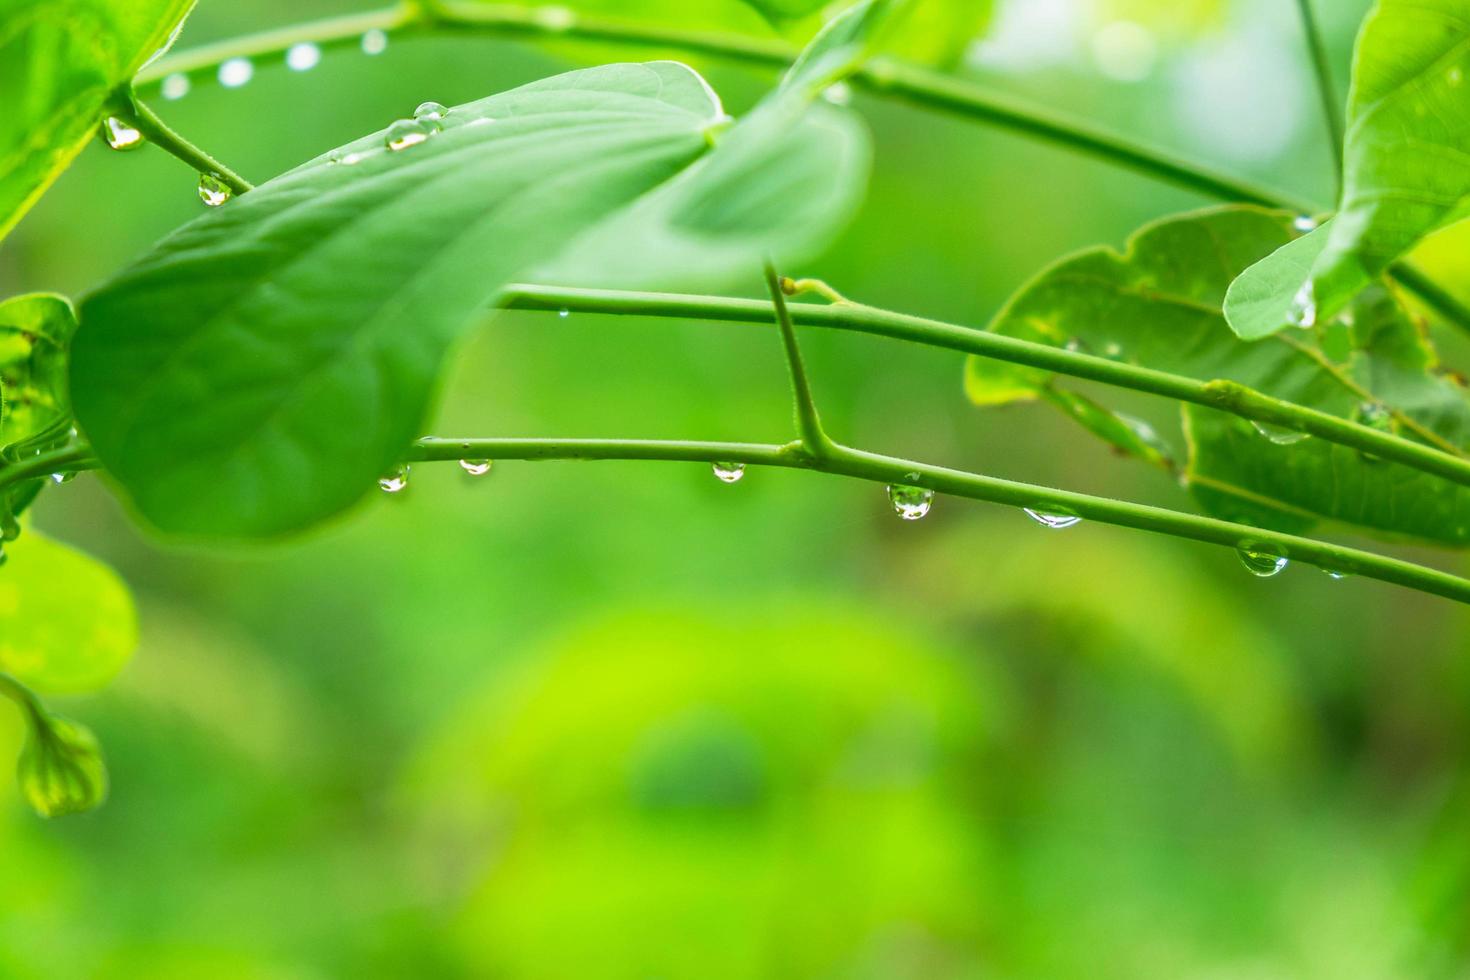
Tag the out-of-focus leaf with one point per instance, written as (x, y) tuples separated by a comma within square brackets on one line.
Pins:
[(1129, 436), (259, 369), (938, 32), (61, 769), (67, 623), (35, 333), (1159, 304), (778, 10), (842, 46), (1407, 161), (60, 60)]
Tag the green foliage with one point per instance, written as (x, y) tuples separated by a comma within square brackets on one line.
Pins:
[(1159, 304), (60, 61), (61, 769), (316, 310), (1407, 163), (35, 333), (67, 623)]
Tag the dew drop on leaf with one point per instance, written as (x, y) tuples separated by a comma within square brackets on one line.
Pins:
[(213, 191), (1304, 223), (1259, 561), (303, 57), (394, 480), (1303, 312), (910, 502), (235, 72), (563, 313), (1279, 434), (475, 467), (118, 135), (1057, 522), (375, 41), (729, 472), (430, 110), (408, 132), (64, 477)]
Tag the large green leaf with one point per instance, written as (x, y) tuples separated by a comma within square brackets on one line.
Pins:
[(67, 623), (60, 60), (1407, 162), (259, 369), (1159, 304)]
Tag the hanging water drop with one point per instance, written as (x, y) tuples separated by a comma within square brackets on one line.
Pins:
[(1375, 416), (235, 72), (175, 86), (431, 110), (303, 57), (408, 132), (213, 191), (1334, 574), (1113, 350), (394, 480), (64, 477), (375, 41), (118, 135), (1057, 522), (563, 313), (1259, 561), (1304, 223), (910, 502), (475, 467), (1279, 434), (729, 472), (1303, 312)]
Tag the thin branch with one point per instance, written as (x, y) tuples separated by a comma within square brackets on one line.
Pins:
[(158, 132), (808, 424), (1225, 396), (1326, 90)]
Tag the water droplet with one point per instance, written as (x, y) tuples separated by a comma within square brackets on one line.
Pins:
[(839, 94), (394, 480), (1259, 561), (474, 467), (1334, 574), (408, 132), (1279, 434), (64, 477), (1057, 522), (236, 72), (430, 110), (1375, 416), (729, 472), (119, 135), (213, 191), (303, 57), (910, 502), (1113, 350), (1303, 312), (1304, 223), (1075, 345), (374, 41), (563, 313), (175, 86)]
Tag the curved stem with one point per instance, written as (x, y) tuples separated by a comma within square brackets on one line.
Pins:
[(843, 461), (1326, 90), (1226, 396), (159, 133), (69, 459)]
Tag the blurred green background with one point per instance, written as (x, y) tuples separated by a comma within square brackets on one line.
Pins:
[(621, 720)]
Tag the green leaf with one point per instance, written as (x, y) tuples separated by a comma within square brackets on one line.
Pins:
[(841, 47), (67, 623), (260, 368), (61, 769), (1407, 162), (1159, 304), (35, 334), (779, 10), (60, 61)]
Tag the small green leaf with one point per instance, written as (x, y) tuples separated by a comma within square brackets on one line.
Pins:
[(35, 334), (260, 368), (841, 47), (60, 61), (61, 769), (1127, 435), (1407, 161), (1159, 305), (1268, 297), (67, 623)]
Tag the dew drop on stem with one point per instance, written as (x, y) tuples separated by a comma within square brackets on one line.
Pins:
[(235, 72), (1279, 434), (303, 57), (213, 191), (1259, 561), (374, 41), (910, 502), (119, 135), (62, 477), (1056, 522), (729, 472), (395, 480), (475, 467)]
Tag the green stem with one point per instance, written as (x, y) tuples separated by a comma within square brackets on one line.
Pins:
[(843, 461), (159, 133), (28, 702), (1326, 90), (1225, 396), (808, 424)]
